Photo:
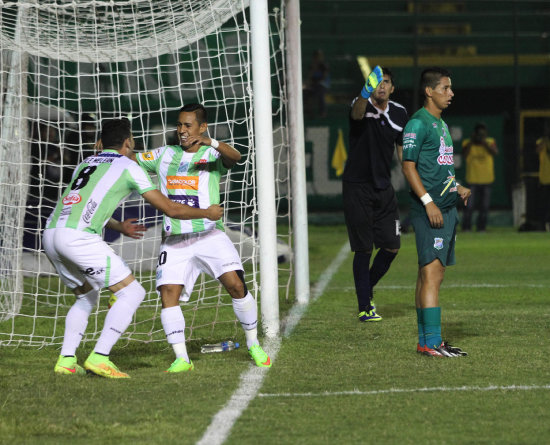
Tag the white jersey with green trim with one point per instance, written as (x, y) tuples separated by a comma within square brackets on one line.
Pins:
[(99, 184), (187, 178)]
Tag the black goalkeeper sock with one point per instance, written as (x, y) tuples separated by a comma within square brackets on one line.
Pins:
[(380, 265), (361, 276)]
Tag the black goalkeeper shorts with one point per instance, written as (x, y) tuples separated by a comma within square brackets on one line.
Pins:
[(372, 216)]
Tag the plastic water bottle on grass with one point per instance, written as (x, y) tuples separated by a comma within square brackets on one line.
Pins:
[(219, 347)]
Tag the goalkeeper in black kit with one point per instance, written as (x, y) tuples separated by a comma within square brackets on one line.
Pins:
[(370, 204)]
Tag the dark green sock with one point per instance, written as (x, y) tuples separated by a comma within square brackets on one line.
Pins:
[(431, 317), (419, 321)]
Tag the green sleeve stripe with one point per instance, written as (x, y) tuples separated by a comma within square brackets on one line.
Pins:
[(108, 271)]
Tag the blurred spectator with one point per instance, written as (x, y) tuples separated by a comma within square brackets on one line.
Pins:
[(543, 150), (317, 85), (479, 152)]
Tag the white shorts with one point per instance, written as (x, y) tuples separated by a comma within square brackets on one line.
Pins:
[(81, 256), (182, 258)]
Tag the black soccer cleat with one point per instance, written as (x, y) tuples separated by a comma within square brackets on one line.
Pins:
[(455, 350), (443, 350)]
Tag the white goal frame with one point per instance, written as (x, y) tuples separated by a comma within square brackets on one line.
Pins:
[(14, 129)]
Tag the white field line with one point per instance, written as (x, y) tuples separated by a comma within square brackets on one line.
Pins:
[(356, 392), (252, 380), (456, 286)]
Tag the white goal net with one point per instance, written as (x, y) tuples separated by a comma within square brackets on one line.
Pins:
[(65, 66)]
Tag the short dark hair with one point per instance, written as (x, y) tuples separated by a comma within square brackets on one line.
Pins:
[(114, 132), (387, 71), (430, 77), (198, 109)]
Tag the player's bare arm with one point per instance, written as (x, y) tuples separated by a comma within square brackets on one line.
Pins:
[(358, 108), (464, 193), (230, 155), (399, 151), (432, 211), (174, 209), (127, 227)]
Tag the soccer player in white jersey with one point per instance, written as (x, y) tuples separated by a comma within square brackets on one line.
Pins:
[(190, 173), (85, 263)]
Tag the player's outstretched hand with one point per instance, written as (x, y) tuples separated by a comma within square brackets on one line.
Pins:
[(132, 230), (214, 212), (372, 82)]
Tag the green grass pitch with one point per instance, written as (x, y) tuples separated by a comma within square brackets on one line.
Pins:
[(335, 380)]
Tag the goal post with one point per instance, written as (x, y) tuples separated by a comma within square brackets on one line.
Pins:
[(78, 62)]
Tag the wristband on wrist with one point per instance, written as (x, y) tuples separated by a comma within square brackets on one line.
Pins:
[(214, 143), (426, 199)]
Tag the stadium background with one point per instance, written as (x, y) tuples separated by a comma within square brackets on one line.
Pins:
[(497, 53)]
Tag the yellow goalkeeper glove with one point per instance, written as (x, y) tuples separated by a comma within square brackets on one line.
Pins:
[(372, 82)]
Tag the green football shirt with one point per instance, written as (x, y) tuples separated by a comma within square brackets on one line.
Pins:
[(99, 184), (187, 178), (428, 143)]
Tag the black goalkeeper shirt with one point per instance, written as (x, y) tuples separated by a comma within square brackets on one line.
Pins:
[(372, 143)]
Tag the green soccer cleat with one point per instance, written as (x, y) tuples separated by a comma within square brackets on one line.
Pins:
[(180, 365), (102, 366), (68, 366), (259, 356)]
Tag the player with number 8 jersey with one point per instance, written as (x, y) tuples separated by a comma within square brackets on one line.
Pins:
[(85, 263)]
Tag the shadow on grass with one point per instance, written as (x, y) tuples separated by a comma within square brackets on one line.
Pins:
[(457, 330)]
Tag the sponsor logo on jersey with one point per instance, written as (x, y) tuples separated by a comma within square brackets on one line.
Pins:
[(438, 243), (91, 207), (72, 198), (409, 140), (445, 153), (148, 156), (201, 161), (191, 201), (182, 182)]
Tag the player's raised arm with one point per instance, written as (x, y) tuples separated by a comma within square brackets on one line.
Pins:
[(230, 155)]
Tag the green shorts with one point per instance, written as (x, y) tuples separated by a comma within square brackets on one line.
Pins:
[(435, 243)]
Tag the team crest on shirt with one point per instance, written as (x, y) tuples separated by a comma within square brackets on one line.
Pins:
[(148, 156), (183, 167), (438, 243)]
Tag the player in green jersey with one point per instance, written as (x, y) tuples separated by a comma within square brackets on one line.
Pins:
[(190, 173), (428, 166), (85, 263)]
